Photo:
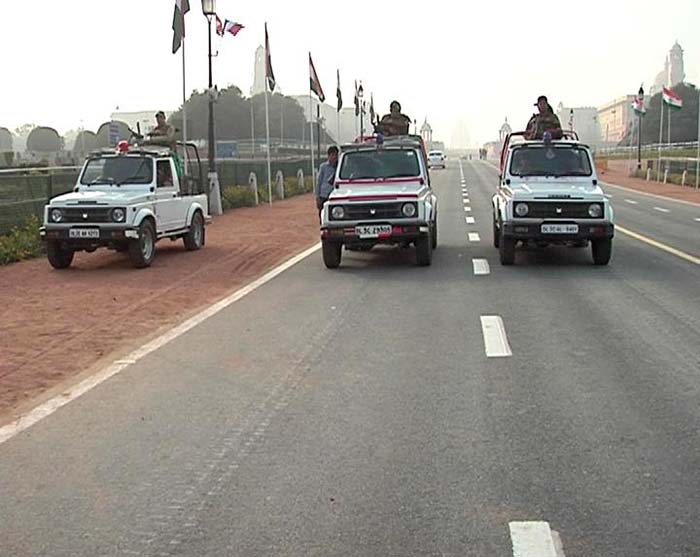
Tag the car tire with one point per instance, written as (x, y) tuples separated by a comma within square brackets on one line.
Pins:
[(194, 239), (496, 236), (424, 250), (58, 257), (602, 251), (332, 254), (434, 235), (121, 248), (142, 251), (506, 249)]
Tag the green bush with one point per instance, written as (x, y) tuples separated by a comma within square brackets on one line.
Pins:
[(233, 197), (21, 243)]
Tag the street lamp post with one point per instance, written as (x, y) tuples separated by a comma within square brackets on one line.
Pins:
[(209, 10), (360, 94), (639, 129)]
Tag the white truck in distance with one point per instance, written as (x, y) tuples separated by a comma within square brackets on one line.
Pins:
[(126, 201)]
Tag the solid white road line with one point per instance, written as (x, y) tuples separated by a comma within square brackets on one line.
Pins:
[(46, 409), (495, 339), (474, 237), (661, 210), (470, 220), (533, 539), (659, 245), (481, 267), (632, 201), (655, 196)]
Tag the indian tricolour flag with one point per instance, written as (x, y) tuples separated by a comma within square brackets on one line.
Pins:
[(672, 99)]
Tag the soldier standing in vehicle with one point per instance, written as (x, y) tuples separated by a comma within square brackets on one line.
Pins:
[(545, 121), (326, 176), (394, 123), (163, 133)]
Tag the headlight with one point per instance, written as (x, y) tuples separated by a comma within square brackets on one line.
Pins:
[(521, 209), (56, 215), (338, 212), (408, 210), (118, 215), (595, 210)]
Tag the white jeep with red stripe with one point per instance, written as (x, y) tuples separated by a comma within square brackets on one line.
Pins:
[(382, 195)]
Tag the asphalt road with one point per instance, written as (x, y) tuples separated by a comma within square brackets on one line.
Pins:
[(360, 411)]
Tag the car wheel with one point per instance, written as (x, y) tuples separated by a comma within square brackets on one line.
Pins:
[(434, 235), (506, 249), (496, 237), (142, 251), (332, 254), (602, 251), (424, 250), (58, 257), (194, 239)]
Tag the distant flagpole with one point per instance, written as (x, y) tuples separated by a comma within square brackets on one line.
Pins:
[(184, 102), (661, 139), (269, 147), (311, 126)]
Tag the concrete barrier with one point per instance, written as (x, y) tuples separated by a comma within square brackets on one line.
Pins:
[(279, 184), (253, 184)]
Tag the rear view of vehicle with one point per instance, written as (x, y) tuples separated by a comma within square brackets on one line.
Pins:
[(436, 159), (382, 196)]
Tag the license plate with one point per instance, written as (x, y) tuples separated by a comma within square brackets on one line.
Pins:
[(90, 233), (560, 229), (373, 230)]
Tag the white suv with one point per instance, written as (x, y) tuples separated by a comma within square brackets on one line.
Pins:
[(436, 159), (126, 201), (549, 194)]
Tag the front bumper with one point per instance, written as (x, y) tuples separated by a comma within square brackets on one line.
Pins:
[(533, 231), (107, 235), (400, 234)]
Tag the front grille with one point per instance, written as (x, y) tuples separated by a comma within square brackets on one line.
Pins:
[(375, 211), (554, 210), (86, 214)]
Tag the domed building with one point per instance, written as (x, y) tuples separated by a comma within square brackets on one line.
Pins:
[(673, 72)]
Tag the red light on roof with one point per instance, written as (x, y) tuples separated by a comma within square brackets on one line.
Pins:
[(123, 146)]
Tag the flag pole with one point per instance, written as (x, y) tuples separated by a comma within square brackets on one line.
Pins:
[(697, 161), (311, 126), (661, 138), (269, 150), (184, 101)]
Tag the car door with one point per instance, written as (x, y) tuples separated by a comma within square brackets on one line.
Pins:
[(167, 197)]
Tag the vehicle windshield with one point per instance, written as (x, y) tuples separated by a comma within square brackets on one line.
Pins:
[(557, 161), (118, 170), (435, 153), (382, 163)]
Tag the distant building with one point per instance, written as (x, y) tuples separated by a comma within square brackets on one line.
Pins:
[(673, 72), (426, 132), (584, 120), (504, 131), (349, 123), (615, 118), (259, 72)]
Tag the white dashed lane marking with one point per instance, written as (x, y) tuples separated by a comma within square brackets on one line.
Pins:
[(631, 201), (467, 209), (661, 210), (474, 237), (481, 267), (495, 339), (534, 539), (470, 220)]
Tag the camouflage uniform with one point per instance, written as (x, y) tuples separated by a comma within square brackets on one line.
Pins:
[(394, 124), (540, 123)]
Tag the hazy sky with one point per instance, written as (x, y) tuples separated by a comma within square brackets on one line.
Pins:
[(465, 67)]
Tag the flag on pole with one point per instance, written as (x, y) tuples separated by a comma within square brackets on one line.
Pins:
[(219, 26), (357, 101), (672, 99), (314, 82), (371, 108), (181, 8), (269, 74), (638, 106), (338, 94), (231, 27)]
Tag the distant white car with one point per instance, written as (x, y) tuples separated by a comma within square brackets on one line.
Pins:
[(436, 159)]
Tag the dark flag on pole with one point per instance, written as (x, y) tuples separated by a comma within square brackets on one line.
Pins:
[(314, 82), (181, 8), (371, 108), (338, 94), (357, 101), (269, 74)]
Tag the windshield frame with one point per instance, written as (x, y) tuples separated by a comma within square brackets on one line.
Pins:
[(568, 147), (147, 179), (417, 157)]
